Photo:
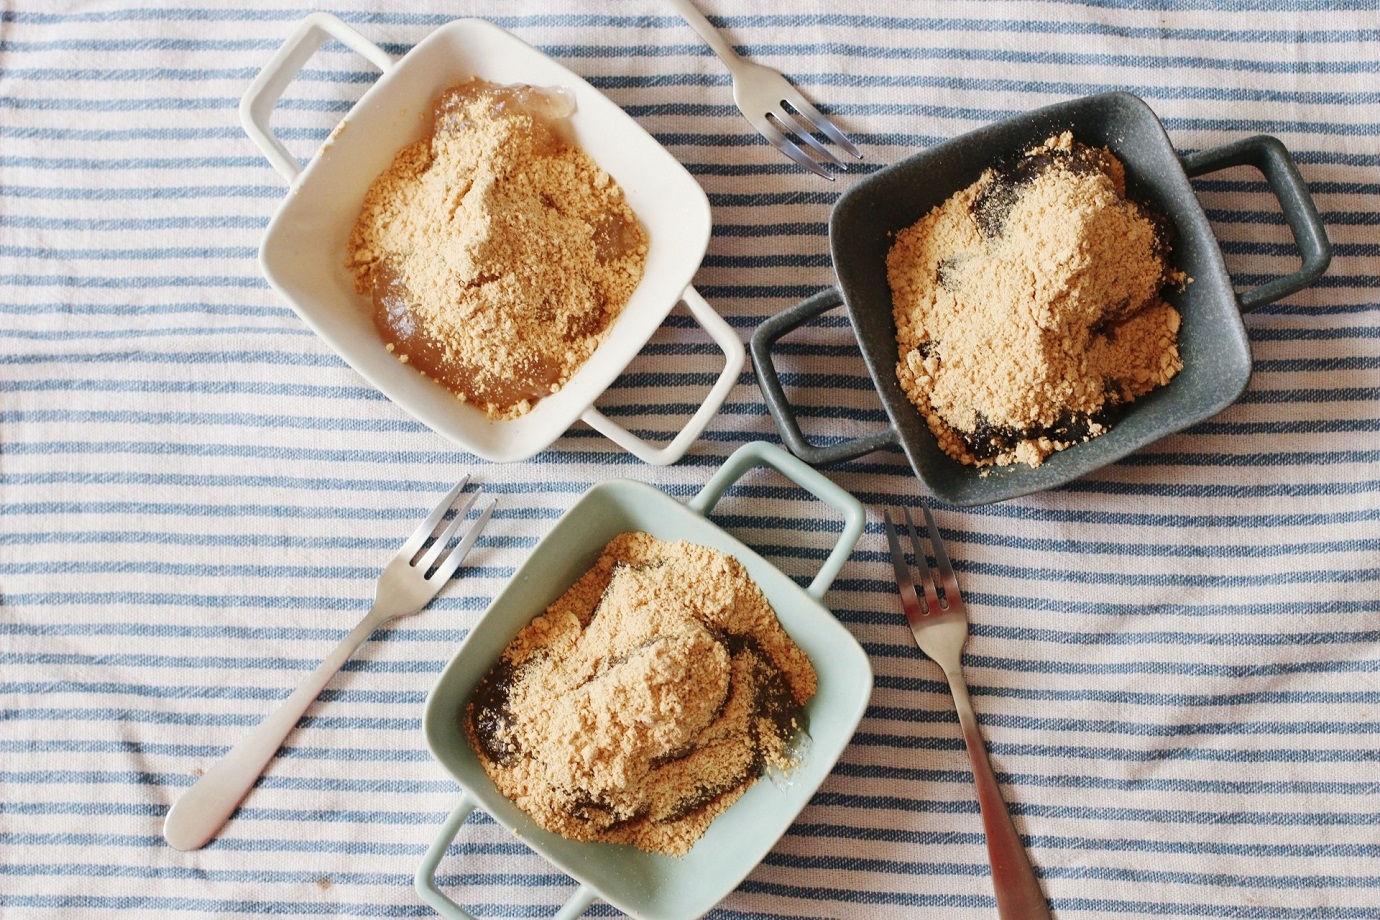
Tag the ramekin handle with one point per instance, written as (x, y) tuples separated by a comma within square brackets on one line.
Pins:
[(760, 453), (256, 106), (430, 892), (779, 406), (1272, 158), (735, 357)]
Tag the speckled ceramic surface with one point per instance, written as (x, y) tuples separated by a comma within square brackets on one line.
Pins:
[(1212, 341)]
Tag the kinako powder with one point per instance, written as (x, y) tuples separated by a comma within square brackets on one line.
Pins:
[(1028, 306), (496, 252), (645, 700)]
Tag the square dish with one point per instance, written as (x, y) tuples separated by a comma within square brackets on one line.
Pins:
[(303, 249), (641, 884), (1212, 340)]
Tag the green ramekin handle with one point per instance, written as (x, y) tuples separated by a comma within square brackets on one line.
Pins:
[(430, 892), (760, 453)]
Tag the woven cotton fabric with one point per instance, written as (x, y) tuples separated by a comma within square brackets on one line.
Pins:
[(1175, 661)]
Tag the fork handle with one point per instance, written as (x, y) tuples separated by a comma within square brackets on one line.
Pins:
[(712, 37), (1013, 880), (203, 809)]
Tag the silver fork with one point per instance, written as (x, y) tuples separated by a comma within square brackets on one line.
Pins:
[(404, 587), (763, 94), (941, 630)]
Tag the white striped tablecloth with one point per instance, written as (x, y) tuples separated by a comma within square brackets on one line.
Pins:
[(1176, 661)]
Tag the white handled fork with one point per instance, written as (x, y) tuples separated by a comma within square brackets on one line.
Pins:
[(774, 107), (404, 588)]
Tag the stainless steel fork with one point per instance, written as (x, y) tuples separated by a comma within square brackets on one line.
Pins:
[(406, 586), (764, 95), (940, 627)]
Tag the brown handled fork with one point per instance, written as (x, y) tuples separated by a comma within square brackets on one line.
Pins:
[(940, 627)]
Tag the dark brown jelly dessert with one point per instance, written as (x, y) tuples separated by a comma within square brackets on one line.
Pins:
[(1030, 306)]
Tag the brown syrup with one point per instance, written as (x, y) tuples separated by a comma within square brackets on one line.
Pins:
[(549, 111), (410, 341)]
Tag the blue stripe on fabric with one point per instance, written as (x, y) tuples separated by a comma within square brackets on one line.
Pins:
[(232, 662), (1109, 610), (1160, 668), (1282, 787), (1127, 579), (1144, 548), (111, 254), (1047, 727), (1267, 697), (1128, 729), (1097, 907), (218, 720), (179, 222), (1265, 518), (184, 692), (138, 164), (242, 540), (1275, 847), (1184, 638), (139, 193), (108, 335), (560, 454), (1124, 786), (556, 455), (1139, 874), (1144, 697), (317, 844), (392, 754), (825, 799), (1271, 846), (1156, 668), (629, 381), (147, 45), (1204, 816), (514, 878), (784, 20)]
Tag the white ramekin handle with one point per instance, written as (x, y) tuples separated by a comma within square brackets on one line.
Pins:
[(256, 107), (735, 357)]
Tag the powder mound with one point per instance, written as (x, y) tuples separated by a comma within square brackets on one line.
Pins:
[(496, 252), (645, 700), (1028, 306)]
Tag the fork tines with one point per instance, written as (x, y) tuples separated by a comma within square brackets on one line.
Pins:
[(937, 603), (794, 121), (432, 557)]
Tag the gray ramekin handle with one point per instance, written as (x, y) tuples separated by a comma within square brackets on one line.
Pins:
[(782, 412), (1270, 156)]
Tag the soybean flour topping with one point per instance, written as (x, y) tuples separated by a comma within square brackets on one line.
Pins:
[(645, 700), (496, 252), (1028, 306)]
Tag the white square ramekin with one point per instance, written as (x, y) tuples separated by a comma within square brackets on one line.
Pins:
[(303, 250)]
